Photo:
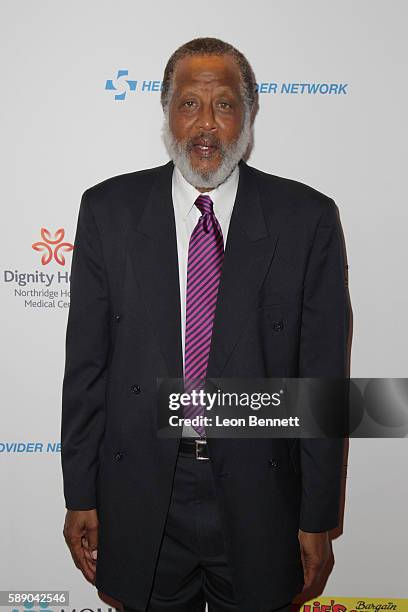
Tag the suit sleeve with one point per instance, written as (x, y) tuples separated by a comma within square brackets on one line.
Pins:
[(323, 354), (87, 347)]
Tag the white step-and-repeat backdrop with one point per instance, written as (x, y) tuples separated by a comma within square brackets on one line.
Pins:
[(80, 102)]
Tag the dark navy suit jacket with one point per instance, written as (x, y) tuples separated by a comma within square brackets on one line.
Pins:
[(284, 262)]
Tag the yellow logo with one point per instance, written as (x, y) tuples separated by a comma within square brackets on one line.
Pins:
[(355, 604)]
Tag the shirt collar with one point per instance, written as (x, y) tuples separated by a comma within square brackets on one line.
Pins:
[(224, 193)]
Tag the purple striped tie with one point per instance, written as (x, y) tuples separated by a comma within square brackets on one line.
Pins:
[(205, 257)]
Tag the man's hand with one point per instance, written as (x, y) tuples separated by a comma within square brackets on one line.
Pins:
[(315, 552), (81, 535)]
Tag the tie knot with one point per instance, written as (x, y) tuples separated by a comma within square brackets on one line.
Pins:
[(204, 204)]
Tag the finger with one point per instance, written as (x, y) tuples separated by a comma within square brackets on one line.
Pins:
[(80, 561), (312, 575), (92, 536), (87, 570), (77, 561), (87, 550), (89, 559), (305, 569), (87, 555), (90, 554)]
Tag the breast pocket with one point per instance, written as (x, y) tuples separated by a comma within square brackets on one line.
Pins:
[(278, 298)]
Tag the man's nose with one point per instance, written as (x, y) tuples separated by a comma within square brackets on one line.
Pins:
[(206, 119)]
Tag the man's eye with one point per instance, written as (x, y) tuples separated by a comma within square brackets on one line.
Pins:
[(225, 105), (189, 103)]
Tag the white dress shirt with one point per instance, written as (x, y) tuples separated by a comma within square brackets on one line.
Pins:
[(186, 217)]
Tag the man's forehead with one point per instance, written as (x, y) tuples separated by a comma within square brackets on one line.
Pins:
[(220, 69)]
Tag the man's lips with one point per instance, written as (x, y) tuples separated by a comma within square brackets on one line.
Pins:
[(204, 149)]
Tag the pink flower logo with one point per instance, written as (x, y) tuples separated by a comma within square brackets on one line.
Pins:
[(52, 246)]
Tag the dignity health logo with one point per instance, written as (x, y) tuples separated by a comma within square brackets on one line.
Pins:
[(122, 85), (42, 288), (52, 245)]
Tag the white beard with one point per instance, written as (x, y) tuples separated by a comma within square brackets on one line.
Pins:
[(231, 154)]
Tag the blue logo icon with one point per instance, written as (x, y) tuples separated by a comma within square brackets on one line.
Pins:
[(29, 606), (121, 85)]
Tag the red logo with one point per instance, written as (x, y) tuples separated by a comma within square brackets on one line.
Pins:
[(53, 246)]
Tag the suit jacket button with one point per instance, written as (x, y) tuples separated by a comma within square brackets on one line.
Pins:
[(277, 325), (273, 463), (118, 456), (135, 389), (117, 317)]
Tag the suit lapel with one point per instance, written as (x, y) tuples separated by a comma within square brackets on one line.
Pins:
[(152, 248)]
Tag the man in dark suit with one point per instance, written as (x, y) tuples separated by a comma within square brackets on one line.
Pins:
[(158, 291)]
